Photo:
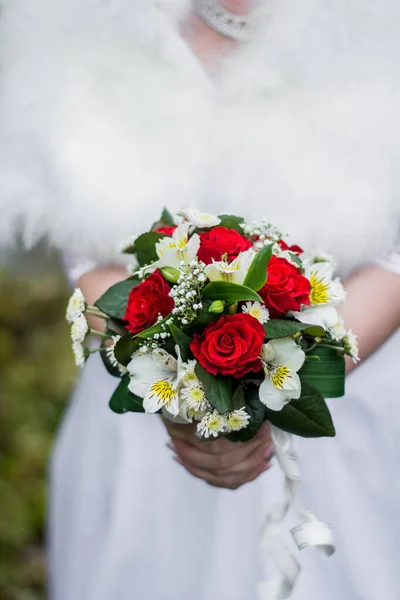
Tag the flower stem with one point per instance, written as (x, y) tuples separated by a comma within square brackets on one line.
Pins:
[(100, 334)]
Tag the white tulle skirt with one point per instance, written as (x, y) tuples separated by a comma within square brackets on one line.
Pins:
[(128, 523)]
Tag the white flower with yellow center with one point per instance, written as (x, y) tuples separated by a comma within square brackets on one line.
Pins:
[(350, 342), (281, 360), (198, 219), (76, 306), (324, 289), (158, 378), (234, 272), (172, 251), (237, 420), (194, 396), (212, 425), (79, 329), (79, 353), (256, 310), (338, 331)]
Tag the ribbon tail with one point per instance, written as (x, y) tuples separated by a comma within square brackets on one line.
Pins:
[(310, 533)]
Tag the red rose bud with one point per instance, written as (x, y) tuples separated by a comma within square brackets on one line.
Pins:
[(286, 288), (146, 301), (220, 241), (295, 249), (231, 346), (166, 229)]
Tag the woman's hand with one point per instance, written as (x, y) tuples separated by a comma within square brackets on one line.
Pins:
[(221, 463)]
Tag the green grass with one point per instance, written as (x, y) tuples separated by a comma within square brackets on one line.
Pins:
[(36, 376)]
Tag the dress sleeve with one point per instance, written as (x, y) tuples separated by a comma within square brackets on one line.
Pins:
[(391, 261), (75, 266)]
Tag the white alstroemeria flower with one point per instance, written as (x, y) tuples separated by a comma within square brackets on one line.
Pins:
[(79, 353), (281, 360), (324, 289), (237, 419), (198, 219), (234, 272), (212, 424), (256, 310), (323, 316), (157, 378), (171, 251), (79, 329), (350, 342), (338, 330), (76, 306)]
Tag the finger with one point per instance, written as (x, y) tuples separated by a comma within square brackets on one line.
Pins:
[(197, 456), (223, 464), (232, 482), (258, 458)]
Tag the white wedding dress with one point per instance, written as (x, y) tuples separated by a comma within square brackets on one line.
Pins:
[(106, 116)]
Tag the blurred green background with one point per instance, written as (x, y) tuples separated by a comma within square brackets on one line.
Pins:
[(36, 377)]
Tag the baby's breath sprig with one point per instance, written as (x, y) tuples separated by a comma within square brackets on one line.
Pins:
[(263, 233), (187, 292)]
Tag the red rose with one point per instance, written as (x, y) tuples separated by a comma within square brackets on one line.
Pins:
[(167, 230), (286, 288), (219, 241), (295, 249), (231, 346), (146, 301)]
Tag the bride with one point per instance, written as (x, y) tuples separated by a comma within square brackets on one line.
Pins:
[(111, 109)]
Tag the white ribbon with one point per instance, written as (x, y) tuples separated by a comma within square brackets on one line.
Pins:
[(311, 532)]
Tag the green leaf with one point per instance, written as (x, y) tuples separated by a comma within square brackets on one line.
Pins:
[(113, 302), (279, 328), (182, 340), (167, 218), (230, 292), (123, 400), (114, 371), (297, 260), (327, 374), (145, 246), (256, 410), (124, 349), (159, 327), (308, 416), (231, 222), (217, 389), (257, 274)]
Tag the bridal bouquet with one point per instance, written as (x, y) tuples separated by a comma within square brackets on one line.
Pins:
[(223, 324)]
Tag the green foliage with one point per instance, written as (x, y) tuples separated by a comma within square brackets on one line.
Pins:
[(308, 416), (35, 383), (231, 222), (256, 277), (145, 246), (230, 292), (123, 400), (182, 340), (124, 349), (113, 302), (217, 389), (276, 328), (326, 372)]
